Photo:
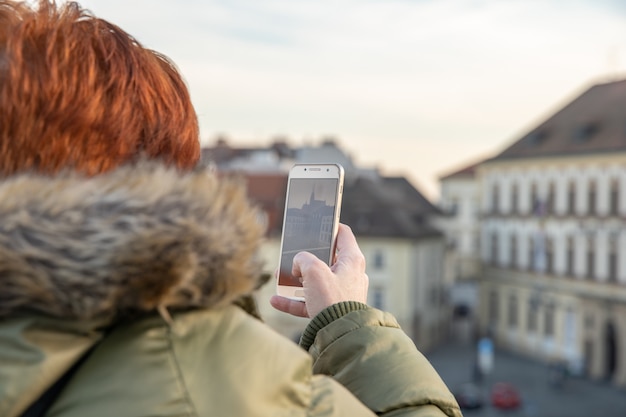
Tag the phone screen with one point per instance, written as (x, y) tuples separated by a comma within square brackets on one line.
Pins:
[(309, 216)]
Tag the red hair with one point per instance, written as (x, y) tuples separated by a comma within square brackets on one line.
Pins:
[(78, 92)]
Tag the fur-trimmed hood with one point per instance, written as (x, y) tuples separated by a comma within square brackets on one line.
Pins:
[(140, 238)]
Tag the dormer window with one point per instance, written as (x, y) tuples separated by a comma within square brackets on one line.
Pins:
[(586, 132), (537, 137)]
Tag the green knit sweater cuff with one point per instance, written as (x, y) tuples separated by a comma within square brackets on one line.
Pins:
[(327, 316)]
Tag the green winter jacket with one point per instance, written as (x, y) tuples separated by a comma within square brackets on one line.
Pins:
[(150, 266)]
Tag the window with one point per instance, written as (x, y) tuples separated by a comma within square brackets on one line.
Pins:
[(379, 259), (378, 298), (513, 248), (537, 137), (513, 311), (569, 261), (549, 256), (534, 200), (613, 260), (571, 198), (592, 195), (494, 248), (539, 251), (531, 253), (514, 199), (614, 198), (550, 200), (495, 199), (532, 315), (590, 259), (586, 132), (548, 328)]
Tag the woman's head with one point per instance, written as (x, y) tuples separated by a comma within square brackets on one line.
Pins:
[(78, 92)]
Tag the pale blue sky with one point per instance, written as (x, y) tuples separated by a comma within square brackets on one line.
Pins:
[(414, 87)]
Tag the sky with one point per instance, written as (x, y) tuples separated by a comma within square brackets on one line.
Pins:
[(417, 88)]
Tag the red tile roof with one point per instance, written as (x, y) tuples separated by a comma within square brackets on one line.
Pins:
[(268, 192)]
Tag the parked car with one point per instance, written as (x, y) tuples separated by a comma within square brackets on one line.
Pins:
[(469, 396), (505, 396)]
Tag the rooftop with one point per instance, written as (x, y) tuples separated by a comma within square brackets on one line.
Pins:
[(373, 205), (594, 122)]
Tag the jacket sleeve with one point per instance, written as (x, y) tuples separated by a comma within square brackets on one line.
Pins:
[(366, 351)]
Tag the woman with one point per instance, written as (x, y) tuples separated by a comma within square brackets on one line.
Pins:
[(125, 266)]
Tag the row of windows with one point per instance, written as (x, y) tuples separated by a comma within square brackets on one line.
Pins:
[(545, 205), (533, 314), (541, 254), (580, 134)]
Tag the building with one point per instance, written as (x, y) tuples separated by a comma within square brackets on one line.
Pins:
[(390, 217), (460, 206), (393, 222), (553, 237)]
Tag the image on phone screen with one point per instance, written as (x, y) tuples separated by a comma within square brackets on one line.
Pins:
[(309, 217)]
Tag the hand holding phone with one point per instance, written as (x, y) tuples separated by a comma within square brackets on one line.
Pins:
[(311, 220), (325, 285)]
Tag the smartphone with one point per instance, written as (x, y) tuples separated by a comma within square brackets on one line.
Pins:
[(311, 220)]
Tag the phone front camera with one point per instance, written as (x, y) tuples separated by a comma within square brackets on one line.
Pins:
[(305, 169), (327, 169)]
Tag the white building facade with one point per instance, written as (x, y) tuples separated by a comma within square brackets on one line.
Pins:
[(553, 239)]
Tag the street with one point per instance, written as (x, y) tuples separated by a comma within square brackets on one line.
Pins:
[(577, 397)]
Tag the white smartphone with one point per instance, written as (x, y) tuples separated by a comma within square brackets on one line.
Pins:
[(311, 220)]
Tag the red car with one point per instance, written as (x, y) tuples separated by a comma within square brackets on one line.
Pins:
[(505, 396)]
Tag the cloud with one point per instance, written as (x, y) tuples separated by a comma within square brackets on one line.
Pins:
[(404, 72)]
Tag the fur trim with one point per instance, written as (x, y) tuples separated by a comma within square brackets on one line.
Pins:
[(140, 238)]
